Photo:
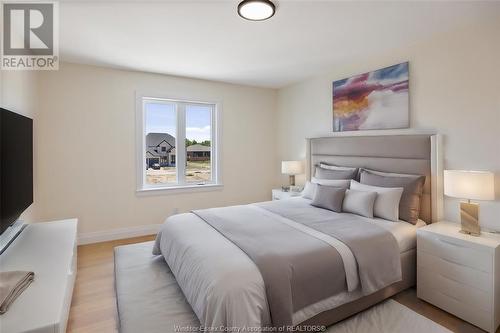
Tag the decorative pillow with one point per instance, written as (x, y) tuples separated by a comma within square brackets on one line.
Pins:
[(310, 187), (359, 202), (387, 203), (329, 197), (413, 187), (308, 191), (344, 183), (335, 174)]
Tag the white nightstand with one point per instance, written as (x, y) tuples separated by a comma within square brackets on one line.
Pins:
[(460, 273), (278, 194)]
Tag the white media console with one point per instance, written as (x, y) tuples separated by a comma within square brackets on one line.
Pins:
[(49, 250)]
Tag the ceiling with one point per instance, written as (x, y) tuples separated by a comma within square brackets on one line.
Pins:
[(208, 40)]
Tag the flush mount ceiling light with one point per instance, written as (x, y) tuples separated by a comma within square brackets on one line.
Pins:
[(256, 10)]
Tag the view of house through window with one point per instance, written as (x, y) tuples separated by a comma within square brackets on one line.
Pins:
[(161, 133), (167, 125), (198, 143)]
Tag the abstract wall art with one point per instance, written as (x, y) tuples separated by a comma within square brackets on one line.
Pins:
[(373, 100)]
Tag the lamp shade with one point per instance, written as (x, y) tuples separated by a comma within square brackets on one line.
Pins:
[(475, 185), (292, 167)]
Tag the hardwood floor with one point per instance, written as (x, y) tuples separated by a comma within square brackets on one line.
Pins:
[(93, 308)]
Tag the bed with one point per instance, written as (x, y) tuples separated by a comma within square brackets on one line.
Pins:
[(413, 154), (227, 283)]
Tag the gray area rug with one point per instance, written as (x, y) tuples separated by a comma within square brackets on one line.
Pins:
[(148, 297), (149, 300), (388, 316)]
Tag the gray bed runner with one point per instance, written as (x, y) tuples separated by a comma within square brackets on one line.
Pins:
[(376, 250), (147, 294), (292, 263)]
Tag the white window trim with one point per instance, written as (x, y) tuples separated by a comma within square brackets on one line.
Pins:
[(145, 189)]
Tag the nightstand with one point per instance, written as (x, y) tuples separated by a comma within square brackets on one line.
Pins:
[(460, 273), (279, 194)]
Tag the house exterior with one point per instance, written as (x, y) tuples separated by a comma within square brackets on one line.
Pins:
[(198, 152), (160, 150)]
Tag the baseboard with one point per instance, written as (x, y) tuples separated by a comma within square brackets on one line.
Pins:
[(114, 234)]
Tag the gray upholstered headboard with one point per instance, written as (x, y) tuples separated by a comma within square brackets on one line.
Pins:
[(412, 154)]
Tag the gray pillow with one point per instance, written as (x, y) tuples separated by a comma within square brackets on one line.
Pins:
[(336, 167), (413, 187), (310, 187), (335, 174), (359, 202), (328, 197), (344, 183)]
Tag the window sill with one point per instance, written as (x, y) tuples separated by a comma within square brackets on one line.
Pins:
[(178, 189)]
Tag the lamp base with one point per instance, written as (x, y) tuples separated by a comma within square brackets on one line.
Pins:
[(469, 218), (292, 180)]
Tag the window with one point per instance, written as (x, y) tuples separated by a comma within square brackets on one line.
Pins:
[(177, 144)]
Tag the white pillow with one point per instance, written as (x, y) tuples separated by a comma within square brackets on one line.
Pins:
[(359, 202), (387, 201), (309, 190), (344, 183)]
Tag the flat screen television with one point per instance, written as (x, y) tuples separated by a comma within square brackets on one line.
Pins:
[(16, 166)]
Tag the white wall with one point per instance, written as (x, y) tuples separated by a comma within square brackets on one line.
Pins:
[(454, 88), (19, 93), (86, 146)]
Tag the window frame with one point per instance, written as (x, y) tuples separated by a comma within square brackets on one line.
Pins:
[(216, 145)]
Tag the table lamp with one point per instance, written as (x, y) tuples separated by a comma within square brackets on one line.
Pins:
[(292, 168), (470, 185)]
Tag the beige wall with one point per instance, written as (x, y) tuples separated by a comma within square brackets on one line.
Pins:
[(454, 89), (85, 126), (86, 146), (19, 93)]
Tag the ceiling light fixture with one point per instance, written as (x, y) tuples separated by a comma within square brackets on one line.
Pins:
[(256, 10)]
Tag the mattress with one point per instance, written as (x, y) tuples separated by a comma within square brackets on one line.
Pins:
[(404, 232)]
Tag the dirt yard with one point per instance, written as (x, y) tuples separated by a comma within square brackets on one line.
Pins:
[(196, 171)]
